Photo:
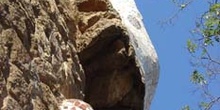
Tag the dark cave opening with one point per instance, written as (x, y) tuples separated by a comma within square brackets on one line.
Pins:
[(113, 81)]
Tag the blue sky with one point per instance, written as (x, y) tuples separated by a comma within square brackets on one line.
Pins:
[(174, 89)]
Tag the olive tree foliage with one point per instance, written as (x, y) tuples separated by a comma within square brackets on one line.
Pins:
[(204, 47)]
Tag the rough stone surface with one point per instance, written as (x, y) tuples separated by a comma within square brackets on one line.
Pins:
[(53, 50), (74, 104), (145, 54)]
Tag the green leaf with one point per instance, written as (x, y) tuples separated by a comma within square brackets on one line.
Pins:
[(208, 41), (204, 51), (191, 46), (204, 105), (215, 7), (208, 33), (197, 78), (182, 6), (211, 22), (186, 107)]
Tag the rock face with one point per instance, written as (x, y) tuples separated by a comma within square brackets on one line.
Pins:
[(145, 54), (53, 50), (74, 104)]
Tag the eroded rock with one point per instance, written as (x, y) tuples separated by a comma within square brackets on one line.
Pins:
[(53, 50)]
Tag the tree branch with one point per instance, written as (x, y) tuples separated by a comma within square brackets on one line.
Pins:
[(212, 103)]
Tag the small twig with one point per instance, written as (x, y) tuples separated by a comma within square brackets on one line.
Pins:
[(216, 1), (212, 103), (209, 57), (181, 7)]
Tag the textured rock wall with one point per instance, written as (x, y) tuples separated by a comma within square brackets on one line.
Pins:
[(38, 58), (145, 54), (52, 50)]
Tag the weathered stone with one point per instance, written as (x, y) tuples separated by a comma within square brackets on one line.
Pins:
[(53, 50), (145, 55), (74, 104)]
